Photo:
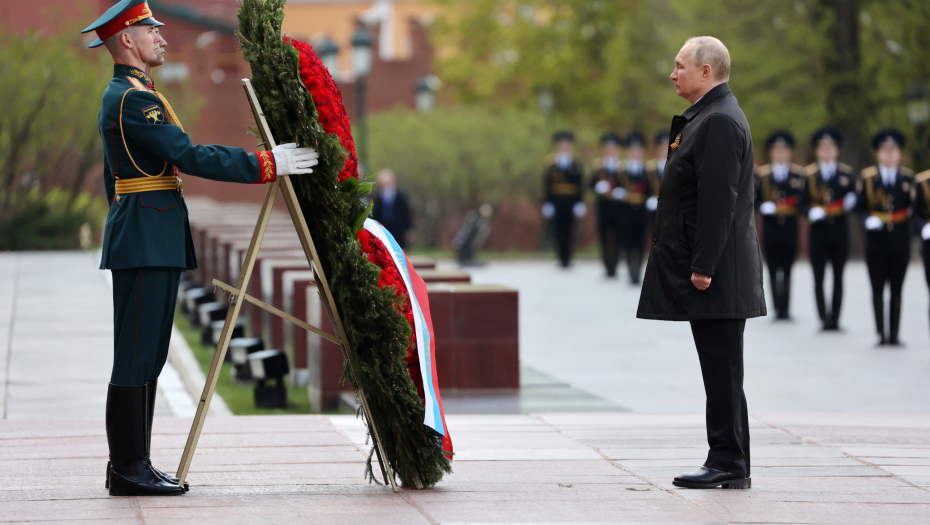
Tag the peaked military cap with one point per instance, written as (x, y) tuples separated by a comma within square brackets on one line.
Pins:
[(122, 15), (780, 138), (831, 133), (611, 138), (563, 136), (635, 138), (888, 136), (661, 137)]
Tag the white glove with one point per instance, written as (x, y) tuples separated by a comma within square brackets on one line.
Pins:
[(618, 194), (579, 209), (849, 201), (768, 208), (925, 232), (548, 210), (291, 160), (652, 203), (816, 214), (873, 223), (602, 187)]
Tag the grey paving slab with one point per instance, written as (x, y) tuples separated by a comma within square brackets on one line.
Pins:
[(581, 328), (56, 336), (509, 469)]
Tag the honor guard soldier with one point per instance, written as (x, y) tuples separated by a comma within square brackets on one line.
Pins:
[(655, 169), (922, 212), (147, 239), (563, 199), (781, 191), (885, 196), (606, 183), (832, 194), (635, 180)]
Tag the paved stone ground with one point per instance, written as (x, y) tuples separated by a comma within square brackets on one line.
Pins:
[(56, 336), (818, 454), (547, 469), (581, 328)]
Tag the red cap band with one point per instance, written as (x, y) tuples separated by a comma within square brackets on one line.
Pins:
[(129, 17)]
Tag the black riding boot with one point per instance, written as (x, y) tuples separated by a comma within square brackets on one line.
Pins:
[(152, 387), (127, 427)]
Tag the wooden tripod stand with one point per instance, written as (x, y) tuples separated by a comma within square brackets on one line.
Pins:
[(238, 294)]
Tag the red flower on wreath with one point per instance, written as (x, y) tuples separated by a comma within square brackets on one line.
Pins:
[(375, 251), (328, 101)]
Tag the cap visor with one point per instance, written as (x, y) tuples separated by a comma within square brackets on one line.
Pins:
[(150, 22), (96, 43)]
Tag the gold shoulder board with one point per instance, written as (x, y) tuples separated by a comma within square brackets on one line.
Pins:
[(764, 170), (922, 176), (871, 171)]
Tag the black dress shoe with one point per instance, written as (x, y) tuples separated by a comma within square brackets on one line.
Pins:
[(711, 478)]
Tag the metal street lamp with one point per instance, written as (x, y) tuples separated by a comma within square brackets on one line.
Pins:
[(362, 43), (426, 89), (918, 112), (328, 52)]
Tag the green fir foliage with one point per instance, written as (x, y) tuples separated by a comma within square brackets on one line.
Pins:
[(377, 332)]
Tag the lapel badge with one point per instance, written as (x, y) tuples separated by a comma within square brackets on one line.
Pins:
[(675, 144), (844, 181), (795, 183), (906, 186)]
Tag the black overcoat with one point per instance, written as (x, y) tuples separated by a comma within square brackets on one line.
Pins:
[(705, 221)]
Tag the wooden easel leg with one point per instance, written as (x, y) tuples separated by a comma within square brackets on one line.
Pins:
[(216, 366)]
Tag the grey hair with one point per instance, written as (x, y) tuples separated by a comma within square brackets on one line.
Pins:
[(711, 51)]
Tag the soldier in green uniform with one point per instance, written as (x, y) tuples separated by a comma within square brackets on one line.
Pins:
[(922, 216), (606, 184), (832, 193), (634, 179), (563, 197), (886, 193), (147, 239), (781, 192)]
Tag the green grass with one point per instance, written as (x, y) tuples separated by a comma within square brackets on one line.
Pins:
[(238, 398)]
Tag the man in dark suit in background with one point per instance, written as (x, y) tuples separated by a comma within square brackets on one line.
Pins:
[(705, 265), (391, 208)]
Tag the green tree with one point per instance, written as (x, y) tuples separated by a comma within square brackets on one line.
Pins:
[(797, 64)]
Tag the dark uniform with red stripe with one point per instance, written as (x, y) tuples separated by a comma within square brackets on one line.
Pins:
[(147, 241), (922, 213)]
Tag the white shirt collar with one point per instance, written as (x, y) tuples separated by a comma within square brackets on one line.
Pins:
[(780, 171), (827, 170), (888, 175), (388, 194), (563, 160), (634, 166), (611, 164)]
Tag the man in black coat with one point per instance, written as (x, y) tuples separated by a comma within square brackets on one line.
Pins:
[(922, 216), (781, 194), (705, 265), (563, 198), (886, 192), (391, 208), (831, 187)]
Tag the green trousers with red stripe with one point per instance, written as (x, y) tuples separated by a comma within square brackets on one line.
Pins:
[(143, 313)]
